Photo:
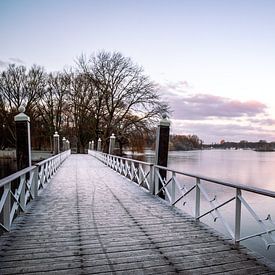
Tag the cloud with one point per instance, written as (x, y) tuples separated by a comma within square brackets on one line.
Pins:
[(190, 106), (263, 121), (16, 60), (3, 63), (210, 132), (214, 117), (179, 85)]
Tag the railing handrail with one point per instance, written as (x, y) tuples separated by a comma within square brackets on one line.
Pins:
[(27, 184), (15, 175), (243, 187), (21, 172), (50, 158), (128, 159), (166, 184)]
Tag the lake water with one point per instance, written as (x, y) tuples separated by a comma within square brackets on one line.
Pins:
[(7, 167), (247, 167)]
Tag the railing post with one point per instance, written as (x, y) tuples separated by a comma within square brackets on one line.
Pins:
[(151, 179), (132, 171), (63, 144), (140, 177), (238, 210), (99, 145), (156, 180), (198, 199), (121, 167), (67, 144), (7, 207), (162, 144), (22, 195), (35, 183), (56, 145), (112, 144), (173, 188), (23, 139)]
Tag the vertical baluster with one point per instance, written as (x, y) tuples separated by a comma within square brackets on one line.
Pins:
[(22, 196), (173, 188), (116, 164), (238, 209), (198, 199), (41, 176), (126, 172), (132, 171), (7, 207), (151, 179), (121, 167), (35, 182), (156, 170), (140, 177)]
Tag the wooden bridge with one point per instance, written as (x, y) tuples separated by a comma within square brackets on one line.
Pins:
[(90, 220)]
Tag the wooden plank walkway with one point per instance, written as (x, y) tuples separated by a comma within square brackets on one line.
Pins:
[(90, 220)]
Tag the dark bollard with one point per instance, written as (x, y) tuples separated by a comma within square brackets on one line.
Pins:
[(112, 144), (99, 145), (23, 139), (162, 148), (67, 145), (56, 148), (64, 144)]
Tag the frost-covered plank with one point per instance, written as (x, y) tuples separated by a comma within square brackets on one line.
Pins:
[(92, 220)]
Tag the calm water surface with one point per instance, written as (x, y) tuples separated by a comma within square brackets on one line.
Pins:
[(247, 167), (7, 167), (238, 166)]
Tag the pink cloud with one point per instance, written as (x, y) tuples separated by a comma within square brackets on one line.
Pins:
[(205, 106), (264, 121), (192, 114)]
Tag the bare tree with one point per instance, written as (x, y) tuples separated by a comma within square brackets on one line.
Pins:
[(126, 93), (20, 87), (105, 94), (81, 104)]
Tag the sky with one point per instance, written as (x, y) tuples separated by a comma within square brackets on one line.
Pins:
[(213, 60)]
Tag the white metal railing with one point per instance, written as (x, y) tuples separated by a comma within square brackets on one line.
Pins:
[(176, 192), (18, 189), (48, 167), (137, 171), (166, 182)]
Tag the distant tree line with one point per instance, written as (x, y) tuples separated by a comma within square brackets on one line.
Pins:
[(261, 145), (185, 142), (104, 94)]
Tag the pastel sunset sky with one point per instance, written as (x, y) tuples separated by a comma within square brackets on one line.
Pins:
[(212, 60)]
